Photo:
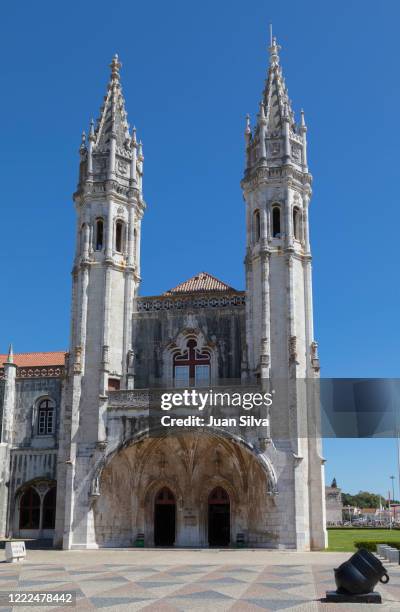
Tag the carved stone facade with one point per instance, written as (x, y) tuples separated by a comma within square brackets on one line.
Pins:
[(117, 484)]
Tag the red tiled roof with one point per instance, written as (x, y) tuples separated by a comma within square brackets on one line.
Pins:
[(201, 283), (26, 360)]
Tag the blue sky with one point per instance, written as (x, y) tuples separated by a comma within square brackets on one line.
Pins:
[(191, 71)]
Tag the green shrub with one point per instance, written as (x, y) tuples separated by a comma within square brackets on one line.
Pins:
[(372, 544)]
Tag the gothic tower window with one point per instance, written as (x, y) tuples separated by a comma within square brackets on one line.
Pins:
[(99, 234), (256, 226), (119, 236), (45, 421), (276, 222), (296, 223), (192, 366)]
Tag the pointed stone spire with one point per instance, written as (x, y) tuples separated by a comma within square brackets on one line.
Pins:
[(10, 357), (303, 127), (82, 148), (113, 116), (276, 139), (92, 136), (275, 95), (247, 131), (110, 155)]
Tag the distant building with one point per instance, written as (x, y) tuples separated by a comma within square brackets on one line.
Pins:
[(334, 504)]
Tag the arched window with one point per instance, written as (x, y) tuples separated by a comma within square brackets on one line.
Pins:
[(29, 510), (119, 236), (46, 417), (296, 223), (256, 226), (99, 234), (192, 366), (276, 222), (49, 509)]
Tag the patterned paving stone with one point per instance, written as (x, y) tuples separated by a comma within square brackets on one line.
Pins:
[(114, 602), (275, 604), (194, 587)]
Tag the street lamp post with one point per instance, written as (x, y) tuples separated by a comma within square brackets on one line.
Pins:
[(392, 519)]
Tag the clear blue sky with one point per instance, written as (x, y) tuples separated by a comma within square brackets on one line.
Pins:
[(191, 71)]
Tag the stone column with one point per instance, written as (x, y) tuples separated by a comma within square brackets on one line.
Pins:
[(10, 372), (265, 317)]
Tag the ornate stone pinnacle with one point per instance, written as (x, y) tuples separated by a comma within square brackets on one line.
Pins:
[(262, 114), (10, 357), (115, 68), (274, 51), (91, 130), (248, 126)]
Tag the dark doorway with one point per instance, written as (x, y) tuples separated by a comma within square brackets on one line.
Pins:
[(164, 518), (219, 519), (49, 509)]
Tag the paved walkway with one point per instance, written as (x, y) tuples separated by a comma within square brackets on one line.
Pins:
[(166, 580)]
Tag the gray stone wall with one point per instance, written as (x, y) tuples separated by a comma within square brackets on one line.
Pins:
[(25, 456), (1, 404), (28, 396), (153, 331)]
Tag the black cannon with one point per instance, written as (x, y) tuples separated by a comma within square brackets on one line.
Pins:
[(356, 579)]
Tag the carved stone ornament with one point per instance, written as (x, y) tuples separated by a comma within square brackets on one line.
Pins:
[(314, 356), (122, 167), (78, 357), (293, 348), (100, 164), (296, 153), (275, 148), (105, 354), (131, 359)]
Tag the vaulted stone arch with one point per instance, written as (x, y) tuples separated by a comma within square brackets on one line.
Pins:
[(190, 465)]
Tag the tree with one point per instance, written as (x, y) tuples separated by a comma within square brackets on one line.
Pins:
[(363, 499)]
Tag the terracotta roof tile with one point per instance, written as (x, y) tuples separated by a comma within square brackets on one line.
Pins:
[(25, 360), (201, 283)]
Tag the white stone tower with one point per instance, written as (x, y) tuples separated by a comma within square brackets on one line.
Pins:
[(279, 317), (106, 274)]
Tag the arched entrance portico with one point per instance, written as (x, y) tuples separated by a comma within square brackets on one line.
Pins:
[(184, 490), (219, 518), (164, 518)]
